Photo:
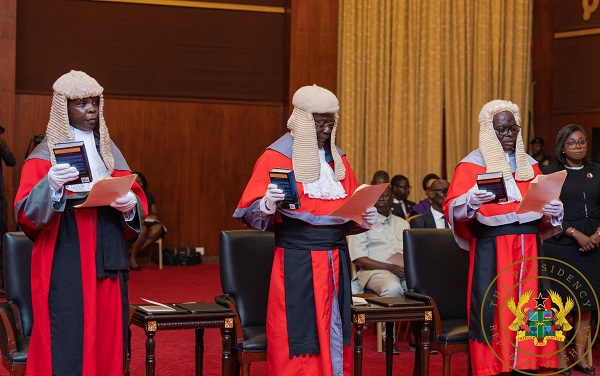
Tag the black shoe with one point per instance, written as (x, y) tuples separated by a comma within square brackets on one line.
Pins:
[(564, 372), (586, 370)]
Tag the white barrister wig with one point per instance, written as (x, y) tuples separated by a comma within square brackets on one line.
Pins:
[(309, 100), (76, 85), (491, 148)]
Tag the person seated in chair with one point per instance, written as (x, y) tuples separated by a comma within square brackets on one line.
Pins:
[(401, 206), (152, 230), (378, 255), (423, 206), (380, 177), (434, 217)]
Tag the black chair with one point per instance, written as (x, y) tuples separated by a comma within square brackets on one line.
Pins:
[(246, 258), (16, 313), (437, 273)]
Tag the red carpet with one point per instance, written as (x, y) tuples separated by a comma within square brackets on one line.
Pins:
[(175, 349)]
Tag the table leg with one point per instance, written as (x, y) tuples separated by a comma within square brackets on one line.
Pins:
[(150, 359), (415, 327), (421, 329), (358, 349), (199, 351), (228, 362), (389, 346), (425, 334)]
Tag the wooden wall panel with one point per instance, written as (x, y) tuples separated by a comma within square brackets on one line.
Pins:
[(543, 39), (566, 81), (153, 50), (313, 44), (197, 156), (8, 30), (576, 82)]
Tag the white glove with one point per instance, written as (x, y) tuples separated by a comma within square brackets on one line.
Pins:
[(125, 203), (478, 196), (371, 222), (60, 174), (370, 216), (268, 204), (553, 209)]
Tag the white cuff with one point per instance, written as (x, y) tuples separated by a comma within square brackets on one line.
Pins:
[(57, 195), (129, 215), (557, 221)]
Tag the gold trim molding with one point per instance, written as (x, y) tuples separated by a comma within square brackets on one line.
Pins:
[(577, 33), (428, 315), (151, 326), (203, 4), (359, 318), (229, 322)]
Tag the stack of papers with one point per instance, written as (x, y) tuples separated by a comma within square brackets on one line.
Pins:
[(359, 301), (156, 307)]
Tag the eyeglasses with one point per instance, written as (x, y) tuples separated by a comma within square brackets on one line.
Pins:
[(444, 191), (323, 124), (574, 144), (514, 129)]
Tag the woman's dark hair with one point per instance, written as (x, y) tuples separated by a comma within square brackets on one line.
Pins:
[(427, 178), (143, 179), (561, 137)]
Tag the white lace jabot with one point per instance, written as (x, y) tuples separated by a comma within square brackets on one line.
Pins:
[(326, 188)]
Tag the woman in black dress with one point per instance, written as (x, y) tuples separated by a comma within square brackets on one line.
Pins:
[(578, 244)]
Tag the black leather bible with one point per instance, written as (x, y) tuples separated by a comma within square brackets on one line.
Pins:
[(73, 154), (392, 301), (493, 182), (285, 180)]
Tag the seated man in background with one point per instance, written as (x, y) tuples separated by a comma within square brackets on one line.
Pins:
[(401, 188), (536, 150), (378, 255), (424, 205), (434, 217), (380, 177)]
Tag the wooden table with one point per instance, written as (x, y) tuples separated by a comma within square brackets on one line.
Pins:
[(151, 323), (420, 318)]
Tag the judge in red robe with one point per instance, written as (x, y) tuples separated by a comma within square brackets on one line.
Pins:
[(503, 243), (79, 260), (308, 314)]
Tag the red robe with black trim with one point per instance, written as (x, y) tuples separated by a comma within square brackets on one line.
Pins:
[(102, 299), (516, 272), (278, 359)]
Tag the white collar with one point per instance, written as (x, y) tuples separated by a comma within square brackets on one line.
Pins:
[(436, 214)]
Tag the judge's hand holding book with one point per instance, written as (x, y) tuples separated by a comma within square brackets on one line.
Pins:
[(60, 174), (268, 204), (477, 196)]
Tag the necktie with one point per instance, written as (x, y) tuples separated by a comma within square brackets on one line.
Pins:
[(446, 225)]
